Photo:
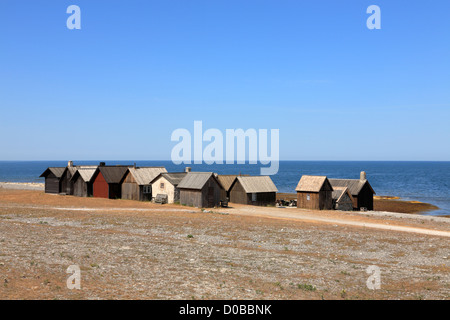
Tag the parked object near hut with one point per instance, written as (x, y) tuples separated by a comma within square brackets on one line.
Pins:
[(161, 199), (342, 199), (82, 182), (166, 183), (315, 193), (360, 189), (136, 183), (257, 190), (200, 189), (52, 177), (106, 181)]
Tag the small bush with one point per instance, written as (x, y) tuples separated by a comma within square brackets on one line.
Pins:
[(306, 287)]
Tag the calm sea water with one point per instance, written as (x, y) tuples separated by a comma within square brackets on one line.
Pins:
[(422, 181)]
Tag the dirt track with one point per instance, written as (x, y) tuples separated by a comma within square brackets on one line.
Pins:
[(340, 218), (133, 250)]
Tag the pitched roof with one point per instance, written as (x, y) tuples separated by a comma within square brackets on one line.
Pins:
[(311, 183), (195, 180), (257, 184), (226, 180), (57, 171), (74, 169), (354, 185), (113, 174), (339, 192), (85, 173), (173, 177), (145, 175)]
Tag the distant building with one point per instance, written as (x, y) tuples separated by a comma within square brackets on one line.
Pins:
[(136, 184), (106, 181), (200, 189), (315, 193), (167, 183), (257, 191), (342, 199), (226, 180), (82, 182), (360, 189), (52, 177), (67, 184)]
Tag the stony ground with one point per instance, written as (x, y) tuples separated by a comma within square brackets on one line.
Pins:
[(132, 250)]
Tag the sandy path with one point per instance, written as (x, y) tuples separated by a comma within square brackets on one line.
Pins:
[(290, 214), (293, 214)]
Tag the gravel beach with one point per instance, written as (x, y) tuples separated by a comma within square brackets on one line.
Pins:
[(137, 250)]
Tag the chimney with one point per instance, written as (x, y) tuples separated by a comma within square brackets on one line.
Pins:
[(70, 164), (362, 176), (188, 169), (102, 164)]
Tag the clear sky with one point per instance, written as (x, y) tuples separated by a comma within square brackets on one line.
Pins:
[(137, 70)]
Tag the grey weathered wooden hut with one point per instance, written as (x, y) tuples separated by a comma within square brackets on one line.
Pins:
[(226, 180), (360, 189), (166, 183), (52, 177), (136, 184), (314, 192), (82, 182), (200, 189), (257, 191), (67, 184), (342, 199)]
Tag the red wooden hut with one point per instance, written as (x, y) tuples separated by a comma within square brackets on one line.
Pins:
[(106, 181)]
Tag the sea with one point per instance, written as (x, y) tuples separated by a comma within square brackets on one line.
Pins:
[(410, 180)]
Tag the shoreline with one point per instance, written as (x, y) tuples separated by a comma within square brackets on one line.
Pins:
[(387, 204), (23, 185)]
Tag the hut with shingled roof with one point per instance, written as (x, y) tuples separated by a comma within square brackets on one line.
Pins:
[(200, 189), (342, 199), (360, 189), (52, 177), (315, 193), (256, 190), (136, 183), (166, 183), (106, 181)]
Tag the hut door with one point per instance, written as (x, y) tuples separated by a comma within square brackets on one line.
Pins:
[(211, 197)]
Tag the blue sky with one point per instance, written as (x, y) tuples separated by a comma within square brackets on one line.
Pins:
[(137, 70)]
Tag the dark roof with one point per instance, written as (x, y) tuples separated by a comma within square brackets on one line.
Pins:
[(57, 171), (196, 180), (113, 174), (338, 193), (173, 177), (354, 185)]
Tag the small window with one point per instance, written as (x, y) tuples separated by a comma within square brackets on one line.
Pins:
[(254, 196), (161, 186), (308, 197), (147, 189)]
